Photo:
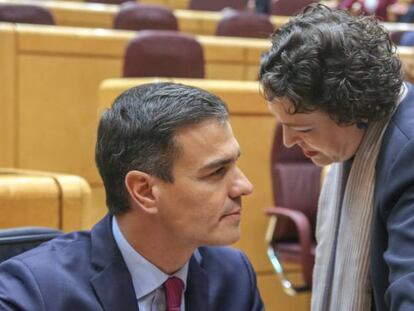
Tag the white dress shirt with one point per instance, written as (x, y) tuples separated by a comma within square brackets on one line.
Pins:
[(147, 279)]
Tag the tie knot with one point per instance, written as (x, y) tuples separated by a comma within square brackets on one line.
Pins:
[(173, 290)]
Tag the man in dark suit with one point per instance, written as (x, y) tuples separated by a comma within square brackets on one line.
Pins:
[(167, 157)]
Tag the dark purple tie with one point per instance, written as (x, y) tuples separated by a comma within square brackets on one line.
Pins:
[(173, 290)]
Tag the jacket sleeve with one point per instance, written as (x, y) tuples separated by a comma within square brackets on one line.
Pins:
[(399, 219), (256, 303), (18, 288)]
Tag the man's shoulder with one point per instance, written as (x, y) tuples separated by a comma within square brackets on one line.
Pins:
[(60, 249), (232, 280)]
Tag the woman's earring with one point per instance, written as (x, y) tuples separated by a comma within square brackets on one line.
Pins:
[(362, 125)]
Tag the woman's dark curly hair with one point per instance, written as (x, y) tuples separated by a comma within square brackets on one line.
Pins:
[(325, 59)]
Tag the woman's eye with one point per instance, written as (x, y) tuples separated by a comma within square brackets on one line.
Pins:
[(304, 130)]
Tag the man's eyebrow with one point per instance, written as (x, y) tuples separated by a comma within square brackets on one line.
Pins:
[(221, 162)]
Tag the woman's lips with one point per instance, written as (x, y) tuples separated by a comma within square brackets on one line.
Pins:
[(310, 154)]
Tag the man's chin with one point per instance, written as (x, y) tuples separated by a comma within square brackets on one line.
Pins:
[(226, 239)]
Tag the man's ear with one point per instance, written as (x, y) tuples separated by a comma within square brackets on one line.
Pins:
[(140, 188)]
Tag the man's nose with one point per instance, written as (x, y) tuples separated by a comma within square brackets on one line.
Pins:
[(241, 185)]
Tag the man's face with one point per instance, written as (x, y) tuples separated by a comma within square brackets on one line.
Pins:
[(203, 204), (319, 137)]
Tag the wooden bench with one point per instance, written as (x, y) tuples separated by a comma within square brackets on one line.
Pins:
[(95, 15), (34, 198), (80, 14)]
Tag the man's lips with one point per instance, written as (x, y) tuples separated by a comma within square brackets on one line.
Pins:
[(232, 213)]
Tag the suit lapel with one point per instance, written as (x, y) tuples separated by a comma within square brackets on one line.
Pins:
[(112, 281), (114, 288), (196, 294)]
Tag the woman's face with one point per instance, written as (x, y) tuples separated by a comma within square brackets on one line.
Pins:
[(319, 137)]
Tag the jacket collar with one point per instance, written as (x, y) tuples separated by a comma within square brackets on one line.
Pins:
[(197, 294), (113, 284)]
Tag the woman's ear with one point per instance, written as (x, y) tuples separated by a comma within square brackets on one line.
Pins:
[(140, 189)]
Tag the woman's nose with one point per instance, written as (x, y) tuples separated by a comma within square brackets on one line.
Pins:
[(290, 138)]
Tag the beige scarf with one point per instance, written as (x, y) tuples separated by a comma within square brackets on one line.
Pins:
[(341, 278)]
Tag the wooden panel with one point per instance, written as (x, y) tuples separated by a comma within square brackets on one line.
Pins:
[(173, 4), (7, 95), (98, 210), (75, 201), (255, 135), (226, 58), (73, 41), (179, 4), (57, 111), (34, 198), (160, 2), (82, 14), (28, 201), (224, 71)]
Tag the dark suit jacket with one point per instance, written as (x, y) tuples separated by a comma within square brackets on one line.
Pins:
[(392, 263), (85, 271)]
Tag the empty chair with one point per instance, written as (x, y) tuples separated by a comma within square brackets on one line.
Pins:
[(244, 24), (162, 53), (135, 16), (216, 5), (288, 7), (18, 240), (291, 234), (25, 14)]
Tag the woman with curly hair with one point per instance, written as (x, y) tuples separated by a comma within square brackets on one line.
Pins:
[(335, 84)]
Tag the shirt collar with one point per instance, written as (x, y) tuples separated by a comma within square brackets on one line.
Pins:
[(146, 277)]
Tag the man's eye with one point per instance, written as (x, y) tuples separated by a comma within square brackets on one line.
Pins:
[(304, 131), (219, 171)]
